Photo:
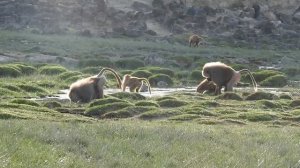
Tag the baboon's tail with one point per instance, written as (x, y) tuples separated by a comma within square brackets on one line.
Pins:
[(114, 73), (147, 82), (252, 78)]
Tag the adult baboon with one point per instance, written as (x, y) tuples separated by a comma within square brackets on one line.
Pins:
[(206, 86), (194, 40), (223, 75), (90, 88), (134, 83)]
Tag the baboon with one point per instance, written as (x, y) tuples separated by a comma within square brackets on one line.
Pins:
[(90, 88), (223, 75), (194, 40), (206, 86), (134, 83)]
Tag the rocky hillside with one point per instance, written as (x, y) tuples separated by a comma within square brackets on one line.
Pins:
[(238, 22)]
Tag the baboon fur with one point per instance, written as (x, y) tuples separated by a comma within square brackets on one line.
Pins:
[(206, 86), (87, 89), (194, 40), (134, 83), (224, 75)]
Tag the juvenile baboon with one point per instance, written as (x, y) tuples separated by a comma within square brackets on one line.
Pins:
[(206, 86), (223, 75), (90, 88), (134, 83), (194, 40)]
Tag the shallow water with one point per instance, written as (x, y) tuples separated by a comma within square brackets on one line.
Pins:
[(159, 92)]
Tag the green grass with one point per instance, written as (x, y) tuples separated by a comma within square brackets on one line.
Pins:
[(145, 144)]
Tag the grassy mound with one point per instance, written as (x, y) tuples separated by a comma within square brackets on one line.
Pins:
[(269, 104), (159, 114), (52, 104), (184, 117), (263, 74), (102, 109), (275, 81), (142, 74), (127, 112), (285, 96), (128, 95), (154, 79), (166, 98), (159, 70), (10, 87), (171, 103), (104, 101), (52, 69), (295, 103), (68, 74), (196, 75), (258, 116), (147, 103), (32, 88), (25, 101), (229, 96), (9, 71), (262, 95)]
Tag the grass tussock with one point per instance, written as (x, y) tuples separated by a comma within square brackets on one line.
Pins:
[(25, 101), (229, 96), (171, 103), (128, 96), (262, 95), (147, 103), (102, 109)]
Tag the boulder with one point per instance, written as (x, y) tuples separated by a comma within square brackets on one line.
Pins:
[(141, 7)]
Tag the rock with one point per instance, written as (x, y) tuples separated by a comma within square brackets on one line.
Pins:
[(136, 15), (296, 17), (266, 27), (141, 7), (286, 19), (135, 28), (151, 32)]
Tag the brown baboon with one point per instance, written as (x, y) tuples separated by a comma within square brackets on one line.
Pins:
[(90, 88), (194, 40), (206, 86), (223, 75), (134, 83)]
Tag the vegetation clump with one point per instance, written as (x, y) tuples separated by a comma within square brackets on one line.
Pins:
[(25, 101), (285, 96), (128, 95), (52, 69), (184, 117), (159, 70), (103, 101), (229, 96), (165, 98), (32, 88), (258, 116), (146, 103), (142, 74), (262, 95), (295, 103), (9, 71), (68, 74), (275, 81), (127, 112), (52, 104), (102, 109), (155, 79), (196, 75), (269, 104), (172, 103), (264, 74)]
